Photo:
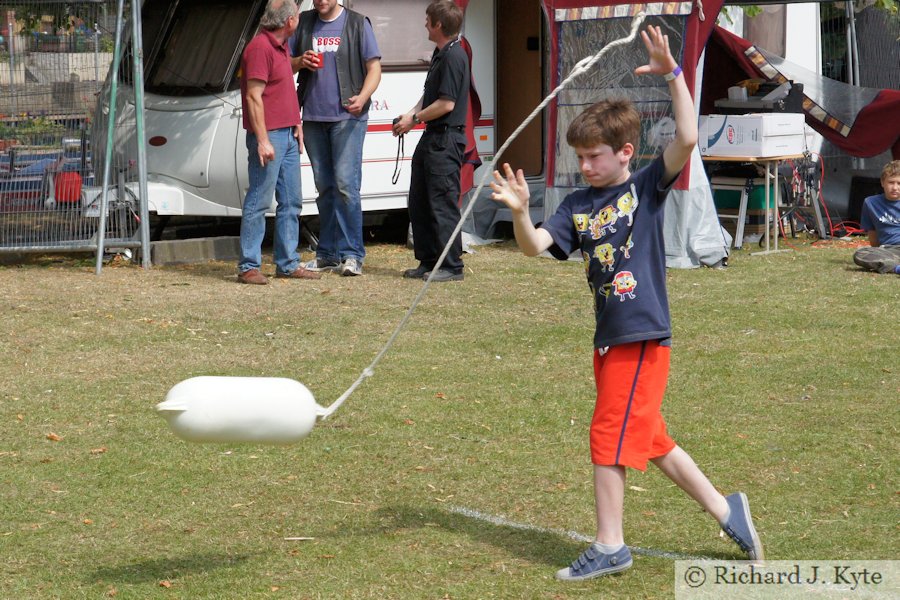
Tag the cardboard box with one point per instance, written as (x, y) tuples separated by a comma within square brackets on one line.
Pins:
[(755, 135)]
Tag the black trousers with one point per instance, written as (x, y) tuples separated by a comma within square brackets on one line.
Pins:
[(434, 196)]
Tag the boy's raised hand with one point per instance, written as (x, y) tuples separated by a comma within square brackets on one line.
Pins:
[(660, 59), (511, 188)]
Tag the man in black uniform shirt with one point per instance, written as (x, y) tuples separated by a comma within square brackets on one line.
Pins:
[(434, 183)]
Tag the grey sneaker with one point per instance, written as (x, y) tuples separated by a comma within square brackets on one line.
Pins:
[(739, 526), (350, 267), (594, 563), (321, 264)]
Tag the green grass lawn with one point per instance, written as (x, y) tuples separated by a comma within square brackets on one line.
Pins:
[(784, 384)]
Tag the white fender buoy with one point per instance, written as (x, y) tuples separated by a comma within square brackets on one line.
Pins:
[(264, 410)]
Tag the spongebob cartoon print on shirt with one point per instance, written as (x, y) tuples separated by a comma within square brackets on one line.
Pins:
[(596, 231), (606, 254), (604, 222), (625, 269), (626, 249), (627, 204), (623, 285)]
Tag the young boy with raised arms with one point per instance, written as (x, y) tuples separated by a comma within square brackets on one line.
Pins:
[(617, 225)]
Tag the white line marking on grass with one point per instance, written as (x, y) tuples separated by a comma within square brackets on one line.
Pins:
[(580, 537)]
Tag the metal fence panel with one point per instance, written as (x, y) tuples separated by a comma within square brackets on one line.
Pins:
[(860, 46), (54, 60), (869, 37)]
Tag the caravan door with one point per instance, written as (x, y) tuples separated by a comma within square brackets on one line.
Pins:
[(519, 81)]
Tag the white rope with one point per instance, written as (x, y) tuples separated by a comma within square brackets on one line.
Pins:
[(583, 66)]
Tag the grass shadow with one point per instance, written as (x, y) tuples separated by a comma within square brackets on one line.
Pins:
[(165, 568), (533, 545)]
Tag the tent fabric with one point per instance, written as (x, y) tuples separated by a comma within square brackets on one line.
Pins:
[(581, 33), (693, 235), (700, 24), (471, 160), (691, 229), (874, 129)]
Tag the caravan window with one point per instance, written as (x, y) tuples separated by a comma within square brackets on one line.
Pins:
[(400, 30), (193, 47)]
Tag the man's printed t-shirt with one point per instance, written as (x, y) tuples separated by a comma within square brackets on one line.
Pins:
[(882, 215), (323, 103), (267, 60), (619, 231)]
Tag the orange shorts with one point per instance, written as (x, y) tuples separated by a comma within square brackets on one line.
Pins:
[(627, 428)]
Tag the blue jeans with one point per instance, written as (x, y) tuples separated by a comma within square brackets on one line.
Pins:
[(280, 177), (335, 151)]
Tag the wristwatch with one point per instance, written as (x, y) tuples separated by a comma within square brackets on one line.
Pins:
[(416, 119)]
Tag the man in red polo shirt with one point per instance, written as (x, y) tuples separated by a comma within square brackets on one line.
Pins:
[(271, 116)]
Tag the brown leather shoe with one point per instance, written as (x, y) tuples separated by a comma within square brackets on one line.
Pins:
[(299, 273), (253, 277)]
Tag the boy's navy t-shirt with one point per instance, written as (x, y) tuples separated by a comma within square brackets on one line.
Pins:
[(882, 215), (619, 231)]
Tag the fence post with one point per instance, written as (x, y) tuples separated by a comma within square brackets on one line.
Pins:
[(96, 52), (10, 23), (107, 163), (138, 77)]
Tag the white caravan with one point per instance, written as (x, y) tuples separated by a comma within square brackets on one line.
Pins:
[(196, 153)]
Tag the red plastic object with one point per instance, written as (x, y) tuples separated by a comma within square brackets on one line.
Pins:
[(67, 187)]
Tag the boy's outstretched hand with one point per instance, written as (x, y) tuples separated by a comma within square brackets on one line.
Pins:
[(660, 59), (511, 188)]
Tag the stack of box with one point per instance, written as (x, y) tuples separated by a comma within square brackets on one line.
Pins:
[(760, 135)]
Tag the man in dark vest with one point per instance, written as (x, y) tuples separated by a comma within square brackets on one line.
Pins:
[(339, 67), (434, 180)]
